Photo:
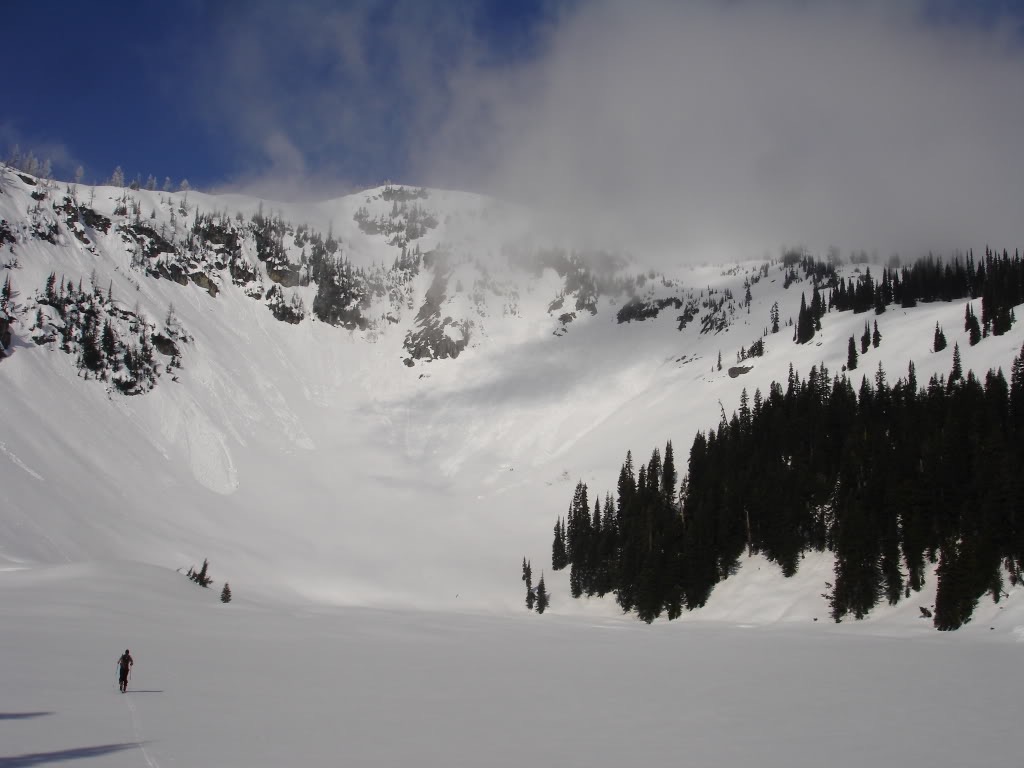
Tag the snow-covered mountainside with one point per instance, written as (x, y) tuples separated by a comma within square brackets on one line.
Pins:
[(383, 399)]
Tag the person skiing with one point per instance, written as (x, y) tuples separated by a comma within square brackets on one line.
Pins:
[(124, 665)]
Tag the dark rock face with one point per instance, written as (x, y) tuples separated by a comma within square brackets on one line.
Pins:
[(164, 345), (75, 216), (171, 271), (242, 272), (645, 310), (94, 220), (739, 370), (5, 334), (151, 242), (432, 340), (284, 273), (286, 311), (205, 282), (563, 323), (219, 236), (691, 311)]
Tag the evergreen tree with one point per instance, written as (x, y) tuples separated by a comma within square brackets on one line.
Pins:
[(528, 578), (774, 316), (225, 594), (543, 599), (51, 289), (1016, 409), (865, 339), (939, 343), (109, 341), (92, 354), (972, 326), (559, 559), (668, 475), (804, 323), (876, 337), (956, 373), (885, 477), (200, 577), (851, 355)]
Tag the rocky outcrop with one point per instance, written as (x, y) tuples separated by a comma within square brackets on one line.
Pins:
[(205, 282), (284, 273), (242, 271), (6, 336), (149, 240), (288, 311), (436, 337), (165, 345)]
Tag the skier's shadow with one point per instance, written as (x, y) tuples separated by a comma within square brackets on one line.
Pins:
[(142, 690), (22, 715), (63, 755)]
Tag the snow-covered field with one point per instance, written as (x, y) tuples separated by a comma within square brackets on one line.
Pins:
[(269, 684), (371, 519)]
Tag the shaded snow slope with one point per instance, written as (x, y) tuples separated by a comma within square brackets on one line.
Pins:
[(309, 460)]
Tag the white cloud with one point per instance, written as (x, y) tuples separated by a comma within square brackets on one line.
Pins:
[(724, 129), (694, 129)]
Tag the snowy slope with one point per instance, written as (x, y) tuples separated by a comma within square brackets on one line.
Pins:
[(310, 461)]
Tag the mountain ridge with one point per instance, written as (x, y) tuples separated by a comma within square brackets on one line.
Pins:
[(311, 459)]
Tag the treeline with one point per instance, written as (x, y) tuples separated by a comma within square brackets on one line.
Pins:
[(997, 280), (890, 478)]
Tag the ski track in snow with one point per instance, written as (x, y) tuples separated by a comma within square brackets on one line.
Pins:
[(137, 730), (18, 462)]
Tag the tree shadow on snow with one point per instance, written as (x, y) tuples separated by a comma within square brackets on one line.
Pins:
[(62, 755), (22, 715)]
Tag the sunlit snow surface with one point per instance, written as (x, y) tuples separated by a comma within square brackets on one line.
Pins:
[(260, 684)]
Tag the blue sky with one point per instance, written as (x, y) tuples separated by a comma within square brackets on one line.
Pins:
[(724, 125), (142, 84)]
